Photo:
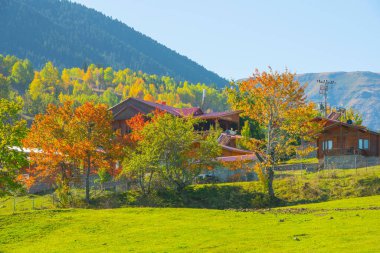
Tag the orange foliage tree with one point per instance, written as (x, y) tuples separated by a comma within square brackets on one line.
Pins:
[(67, 142), (278, 103), (51, 147), (93, 134)]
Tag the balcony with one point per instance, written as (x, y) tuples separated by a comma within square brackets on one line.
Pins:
[(345, 151)]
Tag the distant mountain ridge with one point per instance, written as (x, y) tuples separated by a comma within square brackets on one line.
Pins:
[(70, 35), (359, 90)]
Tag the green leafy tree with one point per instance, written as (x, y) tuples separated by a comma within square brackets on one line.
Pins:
[(50, 77), (4, 87), (176, 150), (12, 131), (22, 75), (109, 97), (108, 75)]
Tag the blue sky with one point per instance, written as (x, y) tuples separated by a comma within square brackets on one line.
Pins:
[(232, 38)]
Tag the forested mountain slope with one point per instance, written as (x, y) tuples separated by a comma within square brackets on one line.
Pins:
[(49, 85), (71, 35)]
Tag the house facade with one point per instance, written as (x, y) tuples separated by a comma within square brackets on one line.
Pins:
[(346, 145)]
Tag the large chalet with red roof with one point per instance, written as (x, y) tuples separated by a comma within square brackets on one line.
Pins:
[(229, 121)]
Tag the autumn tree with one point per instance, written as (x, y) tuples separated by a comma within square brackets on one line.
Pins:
[(66, 139), (278, 103), (52, 153), (170, 147), (12, 131), (93, 134)]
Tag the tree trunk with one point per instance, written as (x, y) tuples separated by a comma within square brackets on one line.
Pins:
[(88, 179), (270, 177)]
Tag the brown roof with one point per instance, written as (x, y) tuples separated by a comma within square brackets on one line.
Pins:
[(237, 150), (161, 107), (334, 115), (213, 115), (329, 123), (251, 157), (192, 111)]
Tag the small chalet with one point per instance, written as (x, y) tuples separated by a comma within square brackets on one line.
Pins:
[(347, 141)]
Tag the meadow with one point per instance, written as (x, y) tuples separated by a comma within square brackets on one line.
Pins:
[(349, 225)]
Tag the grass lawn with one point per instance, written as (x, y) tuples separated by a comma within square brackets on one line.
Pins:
[(350, 225), (304, 161)]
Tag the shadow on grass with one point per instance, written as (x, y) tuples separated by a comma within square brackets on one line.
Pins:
[(215, 197)]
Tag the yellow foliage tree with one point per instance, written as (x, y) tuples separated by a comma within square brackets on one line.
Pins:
[(278, 103)]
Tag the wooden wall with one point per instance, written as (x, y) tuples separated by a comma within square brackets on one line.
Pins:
[(345, 141)]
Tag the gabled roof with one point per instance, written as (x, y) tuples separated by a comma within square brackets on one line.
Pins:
[(213, 115), (192, 111), (162, 107), (330, 123), (236, 150), (334, 115), (237, 158)]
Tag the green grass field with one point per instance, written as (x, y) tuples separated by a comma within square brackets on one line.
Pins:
[(350, 225), (304, 161)]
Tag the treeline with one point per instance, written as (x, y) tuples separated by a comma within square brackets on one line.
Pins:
[(50, 85)]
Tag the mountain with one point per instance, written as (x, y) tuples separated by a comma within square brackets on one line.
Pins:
[(69, 35), (359, 90)]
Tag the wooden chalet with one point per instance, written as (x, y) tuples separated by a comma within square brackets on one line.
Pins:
[(343, 139), (132, 106), (227, 120)]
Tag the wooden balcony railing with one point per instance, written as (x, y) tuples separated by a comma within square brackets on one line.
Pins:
[(345, 151)]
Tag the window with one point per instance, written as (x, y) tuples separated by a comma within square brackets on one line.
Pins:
[(327, 145), (363, 144)]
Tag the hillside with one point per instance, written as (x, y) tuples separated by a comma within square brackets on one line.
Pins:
[(71, 35), (360, 90)]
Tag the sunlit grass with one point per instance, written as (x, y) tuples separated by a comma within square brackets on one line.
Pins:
[(354, 227)]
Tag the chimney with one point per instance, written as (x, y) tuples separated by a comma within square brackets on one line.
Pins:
[(203, 98)]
